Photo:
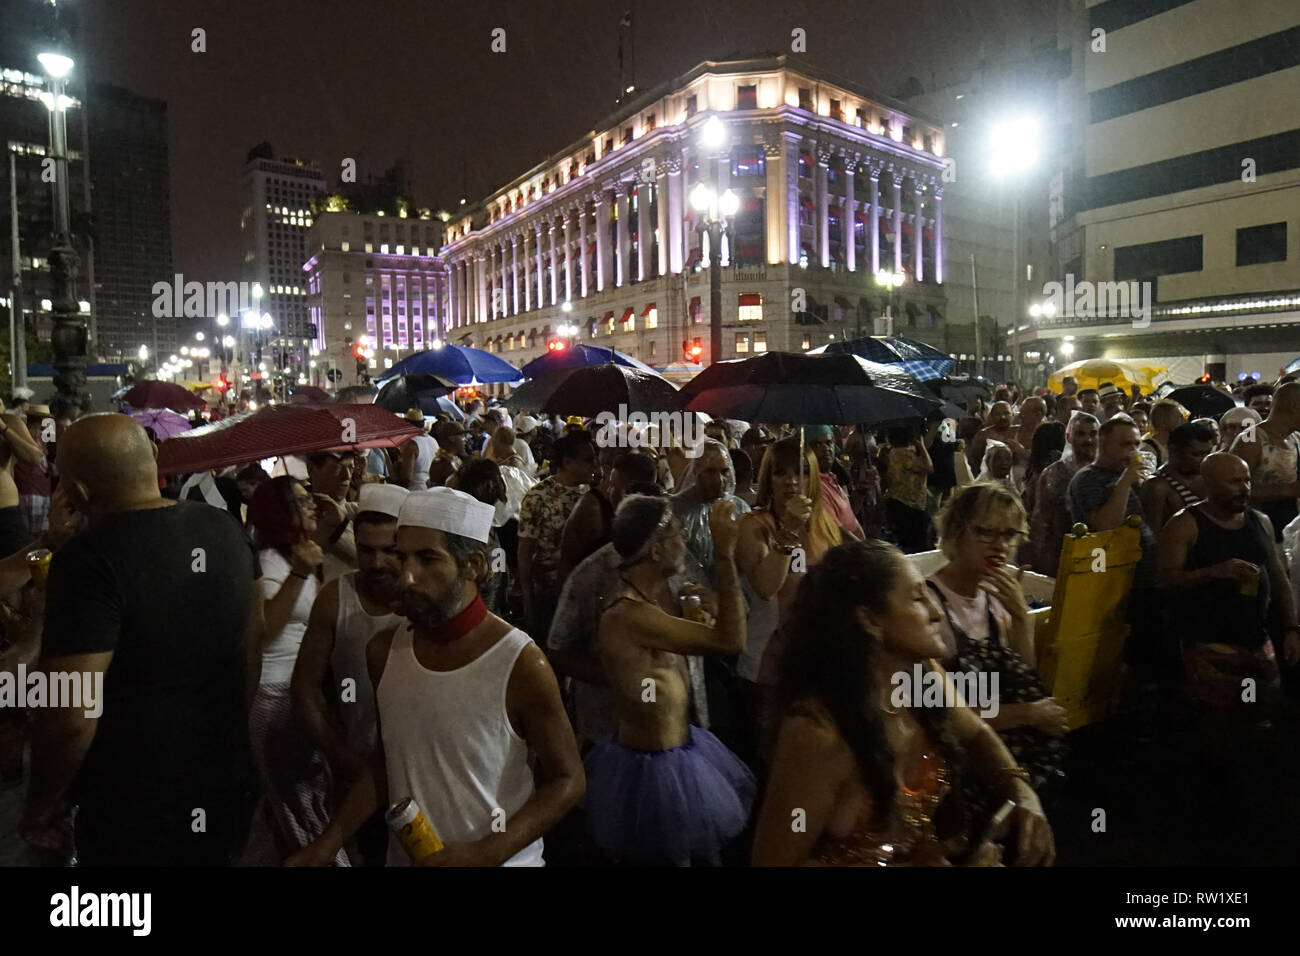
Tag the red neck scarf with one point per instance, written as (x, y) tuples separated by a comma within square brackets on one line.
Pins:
[(458, 626)]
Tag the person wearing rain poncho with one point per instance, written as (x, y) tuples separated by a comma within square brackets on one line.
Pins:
[(709, 477), (997, 464)]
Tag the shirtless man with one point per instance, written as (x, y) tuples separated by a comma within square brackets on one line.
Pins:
[(645, 786), (998, 428), (15, 445), (1179, 484)]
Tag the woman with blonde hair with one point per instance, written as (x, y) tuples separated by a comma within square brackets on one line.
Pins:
[(782, 538)]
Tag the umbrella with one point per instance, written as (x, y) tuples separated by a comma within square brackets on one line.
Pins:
[(445, 404), (459, 363), (593, 389), (960, 391), (1203, 401), (925, 362), (1292, 366), (309, 395), (809, 390), (162, 421), (355, 395), (578, 356), (155, 394), (421, 391), (534, 393), (1091, 373), (283, 430)]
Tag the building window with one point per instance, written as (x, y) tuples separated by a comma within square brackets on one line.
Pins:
[(370, 247), (383, 248), (347, 278), (742, 343), (652, 318), (806, 343), (760, 341), (690, 106), (747, 161), (1151, 259), (653, 348), (649, 122), (747, 98), (1259, 244), (345, 246), (805, 99), (627, 135), (750, 307), (837, 110)]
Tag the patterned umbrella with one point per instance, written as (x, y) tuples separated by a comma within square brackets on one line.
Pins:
[(924, 362), (459, 363), (283, 430)]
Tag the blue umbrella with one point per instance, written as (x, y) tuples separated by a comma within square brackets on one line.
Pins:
[(1292, 366), (925, 362), (459, 363), (578, 356)]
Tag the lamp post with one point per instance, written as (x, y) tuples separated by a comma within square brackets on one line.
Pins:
[(1014, 148), (714, 212), (891, 282), (70, 338)]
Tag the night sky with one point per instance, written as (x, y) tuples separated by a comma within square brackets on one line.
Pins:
[(383, 80)]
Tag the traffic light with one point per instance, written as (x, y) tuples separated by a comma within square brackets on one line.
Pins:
[(222, 383), (692, 350), (1204, 379), (360, 352), (556, 345)]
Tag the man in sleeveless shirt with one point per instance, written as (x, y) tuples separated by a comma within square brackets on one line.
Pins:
[(467, 706), (1271, 450), (332, 695), (1178, 483)]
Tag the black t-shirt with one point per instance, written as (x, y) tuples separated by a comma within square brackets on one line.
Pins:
[(169, 592)]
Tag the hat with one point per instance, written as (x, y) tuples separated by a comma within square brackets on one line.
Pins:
[(449, 511), (383, 498), (1239, 416), (574, 420), (39, 411), (814, 432), (23, 393), (525, 424), (414, 415), (1107, 390)]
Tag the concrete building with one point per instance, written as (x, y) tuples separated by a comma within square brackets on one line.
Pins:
[(130, 190), (372, 280), (833, 184), (275, 215), (1181, 181)]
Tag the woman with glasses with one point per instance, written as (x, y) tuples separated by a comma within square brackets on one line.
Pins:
[(986, 625), (294, 774)]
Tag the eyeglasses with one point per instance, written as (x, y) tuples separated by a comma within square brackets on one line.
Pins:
[(990, 535)]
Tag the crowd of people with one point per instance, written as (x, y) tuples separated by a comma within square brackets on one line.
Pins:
[(638, 655)]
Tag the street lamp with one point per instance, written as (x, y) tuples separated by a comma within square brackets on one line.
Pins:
[(1014, 147), (69, 338), (892, 282), (714, 212)]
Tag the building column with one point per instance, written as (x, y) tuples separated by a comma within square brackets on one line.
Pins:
[(917, 248), (622, 270), (583, 258), (645, 232), (528, 271), (682, 225), (849, 223), (898, 221), (938, 234), (823, 231), (481, 267), (604, 272), (514, 274), (661, 215), (773, 192), (453, 281), (791, 161), (555, 265), (673, 232), (875, 219), (568, 255), (541, 269), (462, 292), (467, 312)]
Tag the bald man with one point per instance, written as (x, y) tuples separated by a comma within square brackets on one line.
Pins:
[(1272, 451), (151, 605)]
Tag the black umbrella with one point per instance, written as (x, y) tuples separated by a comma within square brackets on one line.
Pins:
[(418, 390), (1203, 401), (809, 390), (534, 393), (961, 391), (593, 389)]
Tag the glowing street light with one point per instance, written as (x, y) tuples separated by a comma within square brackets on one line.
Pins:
[(713, 135)]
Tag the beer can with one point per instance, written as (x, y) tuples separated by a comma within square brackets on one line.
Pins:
[(38, 564), (1249, 587), (413, 830), (691, 609)]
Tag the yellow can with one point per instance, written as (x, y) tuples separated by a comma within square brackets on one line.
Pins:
[(38, 564), (413, 830)]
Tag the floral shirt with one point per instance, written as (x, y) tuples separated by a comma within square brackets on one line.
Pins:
[(542, 514)]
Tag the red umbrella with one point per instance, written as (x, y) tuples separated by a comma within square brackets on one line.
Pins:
[(283, 430), (155, 394)]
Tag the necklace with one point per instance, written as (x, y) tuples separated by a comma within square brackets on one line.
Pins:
[(639, 592)]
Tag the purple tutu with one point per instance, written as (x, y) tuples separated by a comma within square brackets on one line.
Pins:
[(658, 807)]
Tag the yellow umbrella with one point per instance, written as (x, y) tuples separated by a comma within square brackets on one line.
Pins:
[(1091, 373)]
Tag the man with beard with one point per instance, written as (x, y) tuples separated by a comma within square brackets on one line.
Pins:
[(708, 478), (332, 696), (821, 439), (1050, 519), (1179, 484), (467, 707)]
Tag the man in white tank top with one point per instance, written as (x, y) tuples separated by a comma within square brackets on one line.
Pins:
[(467, 706), (417, 455)]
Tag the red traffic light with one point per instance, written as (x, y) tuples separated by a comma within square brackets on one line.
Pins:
[(360, 351), (556, 345), (1204, 378), (222, 384)]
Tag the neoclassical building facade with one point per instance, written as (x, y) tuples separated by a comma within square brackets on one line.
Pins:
[(832, 185)]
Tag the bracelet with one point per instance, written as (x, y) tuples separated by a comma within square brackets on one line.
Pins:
[(1014, 773)]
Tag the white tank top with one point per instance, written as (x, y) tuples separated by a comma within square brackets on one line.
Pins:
[(449, 744), (427, 449), (353, 629)]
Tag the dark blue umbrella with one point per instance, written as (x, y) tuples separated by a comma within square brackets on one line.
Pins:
[(578, 356), (458, 363), (405, 392), (923, 361), (1292, 366)]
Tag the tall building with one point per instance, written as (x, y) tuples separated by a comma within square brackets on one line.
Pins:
[(130, 188), (375, 281), (833, 184), (275, 215), (1180, 180)]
